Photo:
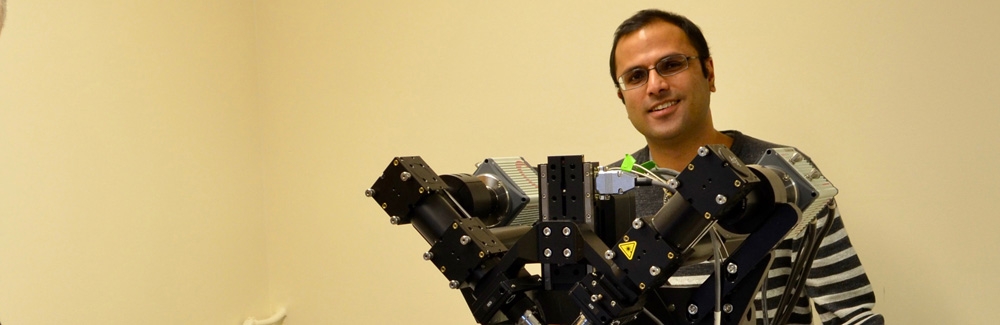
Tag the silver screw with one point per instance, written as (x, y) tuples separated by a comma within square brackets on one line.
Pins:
[(428, 256), (673, 183), (654, 271), (692, 309), (609, 254), (702, 151), (405, 176), (720, 199), (728, 308), (567, 252), (546, 231), (369, 192), (814, 174), (732, 268), (796, 157), (454, 284), (394, 220), (596, 297), (547, 252), (613, 303), (566, 231), (465, 239), (637, 223)]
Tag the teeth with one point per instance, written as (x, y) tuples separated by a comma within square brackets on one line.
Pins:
[(664, 105)]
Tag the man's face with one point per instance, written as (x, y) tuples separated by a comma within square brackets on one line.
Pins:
[(665, 108)]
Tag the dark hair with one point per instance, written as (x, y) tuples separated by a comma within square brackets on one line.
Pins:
[(648, 16)]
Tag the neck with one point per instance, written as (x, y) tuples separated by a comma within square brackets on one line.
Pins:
[(677, 153)]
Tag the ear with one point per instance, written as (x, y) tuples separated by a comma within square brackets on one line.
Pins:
[(710, 67), (620, 95)]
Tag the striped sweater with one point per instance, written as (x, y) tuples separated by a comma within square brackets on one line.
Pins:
[(837, 283)]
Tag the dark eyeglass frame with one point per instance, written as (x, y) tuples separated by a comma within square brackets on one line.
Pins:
[(665, 67)]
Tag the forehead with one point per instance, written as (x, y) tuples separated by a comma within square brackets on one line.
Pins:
[(645, 46)]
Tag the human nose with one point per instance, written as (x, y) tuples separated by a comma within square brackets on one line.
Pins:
[(656, 83)]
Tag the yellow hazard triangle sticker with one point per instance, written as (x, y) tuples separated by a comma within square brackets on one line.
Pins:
[(628, 248)]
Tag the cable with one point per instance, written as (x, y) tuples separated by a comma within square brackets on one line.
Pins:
[(651, 317), (717, 261), (763, 300), (274, 319), (800, 277)]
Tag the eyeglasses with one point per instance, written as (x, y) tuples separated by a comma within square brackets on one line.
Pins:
[(668, 66)]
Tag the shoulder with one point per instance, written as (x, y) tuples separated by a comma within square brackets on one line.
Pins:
[(750, 149)]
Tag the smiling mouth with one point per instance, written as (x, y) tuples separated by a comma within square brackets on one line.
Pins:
[(664, 106)]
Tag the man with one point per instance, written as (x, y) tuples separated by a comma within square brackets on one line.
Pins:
[(664, 75)]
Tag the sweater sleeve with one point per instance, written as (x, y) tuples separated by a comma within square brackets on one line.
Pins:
[(837, 282)]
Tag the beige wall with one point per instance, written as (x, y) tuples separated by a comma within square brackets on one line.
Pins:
[(130, 171), (199, 162)]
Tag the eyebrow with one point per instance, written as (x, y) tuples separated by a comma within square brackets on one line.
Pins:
[(654, 64)]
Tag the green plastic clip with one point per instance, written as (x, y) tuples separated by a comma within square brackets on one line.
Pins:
[(628, 162)]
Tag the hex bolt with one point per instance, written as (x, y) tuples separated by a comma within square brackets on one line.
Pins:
[(702, 151), (394, 220), (566, 231), (369, 192), (732, 268), (609, 254), (454, 284), (654, 271), (546, 231), (637, 223), (567, 252), (727, 308), (692, 309), (465, 239), (547, 252), (405, 176), (428, 256), (673, 183), (720, 199)]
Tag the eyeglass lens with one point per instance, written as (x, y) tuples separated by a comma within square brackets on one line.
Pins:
[(667, 66)]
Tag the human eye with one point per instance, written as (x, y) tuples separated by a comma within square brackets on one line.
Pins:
[(634, 77), (671, 65)]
